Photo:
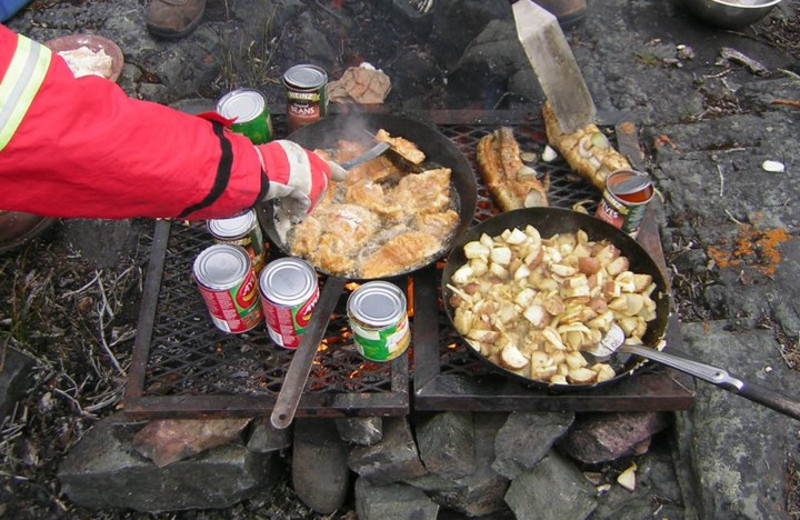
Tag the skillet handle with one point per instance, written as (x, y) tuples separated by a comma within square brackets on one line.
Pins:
[(295, 380), (721, 378)]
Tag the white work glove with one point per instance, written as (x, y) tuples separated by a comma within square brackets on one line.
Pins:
[(297, 176)]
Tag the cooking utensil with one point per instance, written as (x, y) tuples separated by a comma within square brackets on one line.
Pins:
[(550, 221), (552, 60), (730, 14), (325, 134), (372, 153), (612, 346)]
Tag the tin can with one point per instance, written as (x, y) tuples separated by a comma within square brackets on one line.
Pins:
[(289, 292), (248, 108), (241, 230), (306, 95), (379, 321), (228, 285), (625, 200)]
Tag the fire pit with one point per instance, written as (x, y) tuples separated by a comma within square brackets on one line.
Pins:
[(183, 366)]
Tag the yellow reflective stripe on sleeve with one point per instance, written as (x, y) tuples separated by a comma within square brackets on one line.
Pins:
[(22, 80)]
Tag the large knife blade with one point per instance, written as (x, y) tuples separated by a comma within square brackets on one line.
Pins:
[(554, 65)]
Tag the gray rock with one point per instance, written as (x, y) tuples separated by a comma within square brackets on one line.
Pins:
[(265, 438), (320, 474), (100, 241), (553, 490), (657, 494), (16, 377), (103, 471), (360, 430), (446, 444), (456, 24), (393, 502), (483, 69), (603, 437), (482, 492), (527, 437), (736, 447), (395, 458)]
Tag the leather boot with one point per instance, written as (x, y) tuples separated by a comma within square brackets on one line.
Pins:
[(17, 227), (569, 13), (173, 19)]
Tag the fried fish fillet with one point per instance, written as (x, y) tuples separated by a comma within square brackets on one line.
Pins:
[(440, 225), (399, 254), (512, 184), (426, 192), (331, 236), (305, 237), (371, 196), (587, 151), (403, 147)]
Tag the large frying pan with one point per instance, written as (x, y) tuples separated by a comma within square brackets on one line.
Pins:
[(550, 221), (325, 134)]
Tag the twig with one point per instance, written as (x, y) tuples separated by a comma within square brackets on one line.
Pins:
[(789, 73), (86, 286), (733, 218), (721, 180), (788, 102), (74, 401), (103, 342), (106, 307)]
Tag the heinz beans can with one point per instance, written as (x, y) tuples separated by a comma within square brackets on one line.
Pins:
[(241, 230), (250, 113), (289, 291), (306, 95), (379, 321), (625, 200), (228, 285)]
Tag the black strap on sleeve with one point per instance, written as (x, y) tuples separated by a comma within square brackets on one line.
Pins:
[(223, 173)]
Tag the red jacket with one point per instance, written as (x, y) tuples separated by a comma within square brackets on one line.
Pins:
[(83, 148)]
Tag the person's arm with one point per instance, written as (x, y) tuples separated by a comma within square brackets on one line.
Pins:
[(83, 148)]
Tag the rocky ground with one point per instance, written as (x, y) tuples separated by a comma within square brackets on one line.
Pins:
[(709, 118)]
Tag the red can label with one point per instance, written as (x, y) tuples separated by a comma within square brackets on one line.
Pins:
[(625, 200), (286, 324), (237, 309)]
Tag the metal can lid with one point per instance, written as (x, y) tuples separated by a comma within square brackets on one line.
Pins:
[(241, 105), (233, 227), (377, 304), (305, 77), (288, 281), (221, 266), (624, 182)]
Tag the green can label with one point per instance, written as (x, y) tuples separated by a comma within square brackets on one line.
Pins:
[(382, 344), (248, 109)]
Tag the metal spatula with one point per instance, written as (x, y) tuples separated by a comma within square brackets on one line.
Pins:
[(612, 345)]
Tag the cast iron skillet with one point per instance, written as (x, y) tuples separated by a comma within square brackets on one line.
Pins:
[(324, 134), (550, 221)]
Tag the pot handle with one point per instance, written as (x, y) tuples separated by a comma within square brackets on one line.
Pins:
[(721, 378), (294, 382)]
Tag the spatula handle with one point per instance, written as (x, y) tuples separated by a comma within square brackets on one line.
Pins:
[(721, 378)]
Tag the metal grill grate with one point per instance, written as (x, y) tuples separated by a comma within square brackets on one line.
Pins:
[(183, 366)]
